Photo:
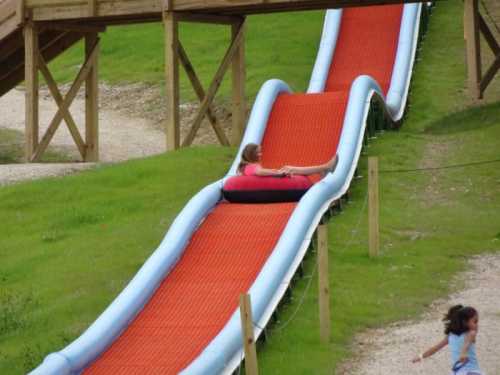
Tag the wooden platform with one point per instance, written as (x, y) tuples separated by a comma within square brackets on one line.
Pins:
[(33, 32)]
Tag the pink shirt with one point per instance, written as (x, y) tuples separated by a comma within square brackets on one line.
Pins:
[(250, 169)]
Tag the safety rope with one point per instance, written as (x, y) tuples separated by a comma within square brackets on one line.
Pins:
[(313, 272), (451, 166)]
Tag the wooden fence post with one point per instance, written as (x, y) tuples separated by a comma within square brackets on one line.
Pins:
[(373, 207), (170, 24), (251, 366), (32, 88), (472, 43), (238, 83), (323, 284), (91, 101)]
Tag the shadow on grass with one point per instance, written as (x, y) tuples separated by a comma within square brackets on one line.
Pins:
[(474, 118)]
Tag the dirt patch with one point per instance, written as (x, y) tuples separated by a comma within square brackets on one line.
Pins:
[(389, 350)]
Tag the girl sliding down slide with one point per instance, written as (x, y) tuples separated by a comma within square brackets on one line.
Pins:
[(250, 165), (461, 326)]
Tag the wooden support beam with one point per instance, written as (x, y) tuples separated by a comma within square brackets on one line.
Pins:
[(490, 74), (208, 18), (20, 12), (92, 8), (488, 36), (32, 89), (54, 124), (72, 26), (91, 100), (200, 93), (323, 284), (373, 207), (172, 80), (251, 366), (471, 33), (56, 94), (214, 86), (16, 76), (238, 82)]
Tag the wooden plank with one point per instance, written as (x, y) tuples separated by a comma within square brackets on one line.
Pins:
[(208, 18), (71, 9), (68, 99), (488, 35), (20, 12), (32, 89), (16, 59), (238, 86), (17, 76), (56, 94), (471, 30), (373, 207), (91, 100), (251, 366), (172, 80), (7, 9), (490, 74), (8, 26), (259, 6), (214, 86), (92, 5), (71, 26), (200, 93), (323, 284)]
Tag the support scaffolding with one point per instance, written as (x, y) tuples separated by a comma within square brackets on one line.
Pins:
[(35, 62), (474, 26), (234, 57)]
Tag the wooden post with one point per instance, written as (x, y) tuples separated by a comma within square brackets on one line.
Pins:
[(172, 80), (323, 284), (251, 366), (472, 41), (31, 86), (373, 207), (238, 82), (91, 101)]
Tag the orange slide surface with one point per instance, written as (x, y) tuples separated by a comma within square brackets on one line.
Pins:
[(227, 252)]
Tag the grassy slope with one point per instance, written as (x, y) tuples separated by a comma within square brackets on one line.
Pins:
[(70, 247), (135, 53), (428, 227)]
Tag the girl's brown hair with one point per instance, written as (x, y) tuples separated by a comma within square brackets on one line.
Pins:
[(455, 321), (248, 156)]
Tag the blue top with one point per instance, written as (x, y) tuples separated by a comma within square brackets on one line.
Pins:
[(456, 343)]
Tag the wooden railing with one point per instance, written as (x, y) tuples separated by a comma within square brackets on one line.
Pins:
[(11, 16)]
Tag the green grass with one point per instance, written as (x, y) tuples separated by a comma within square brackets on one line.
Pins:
[(12, 149), (277, 45), (69, 245)]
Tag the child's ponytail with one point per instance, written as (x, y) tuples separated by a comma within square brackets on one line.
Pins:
[(455, 321)]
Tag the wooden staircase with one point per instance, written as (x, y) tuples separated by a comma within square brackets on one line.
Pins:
[(51, 44)]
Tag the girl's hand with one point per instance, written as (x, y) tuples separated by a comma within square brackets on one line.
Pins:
[(463, 359)]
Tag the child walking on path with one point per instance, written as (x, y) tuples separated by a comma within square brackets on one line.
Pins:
[(461, 326)]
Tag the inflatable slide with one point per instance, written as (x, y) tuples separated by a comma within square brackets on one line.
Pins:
[(179, 314)]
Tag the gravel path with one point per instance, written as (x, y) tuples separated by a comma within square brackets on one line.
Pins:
[(121, 136), (389, 350), (130, 126)]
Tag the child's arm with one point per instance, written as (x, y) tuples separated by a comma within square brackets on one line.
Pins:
[(431, 351), (469, 339), (268, 172)]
